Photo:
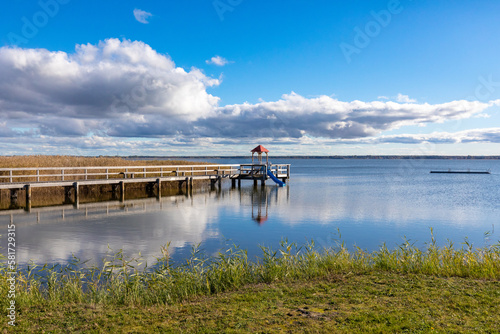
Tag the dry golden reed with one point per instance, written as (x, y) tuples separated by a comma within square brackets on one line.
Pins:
[(78, 161)]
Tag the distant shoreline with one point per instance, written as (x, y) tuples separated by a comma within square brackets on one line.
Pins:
[(333, 157)]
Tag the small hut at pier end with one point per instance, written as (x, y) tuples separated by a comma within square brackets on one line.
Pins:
[(259, 150)]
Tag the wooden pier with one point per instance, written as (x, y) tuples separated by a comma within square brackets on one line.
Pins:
[(72, 178)]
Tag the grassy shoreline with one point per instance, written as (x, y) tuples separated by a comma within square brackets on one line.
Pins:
[(376, 302), (119, 296)]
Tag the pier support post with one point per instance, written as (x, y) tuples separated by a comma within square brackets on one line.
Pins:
[(263, 182), (187, 185), (77, 194), (158, 189), (122, 191), (219, 182), (239, 183), (27, 188), (255, 183), (233, 183)]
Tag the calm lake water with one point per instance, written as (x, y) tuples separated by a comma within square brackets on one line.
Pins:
[(369, 201)]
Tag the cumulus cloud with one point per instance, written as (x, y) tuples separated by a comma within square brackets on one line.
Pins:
[(98, 84), (295, 116), (489, 135), (218, 61), (142, 16), (109, 94)]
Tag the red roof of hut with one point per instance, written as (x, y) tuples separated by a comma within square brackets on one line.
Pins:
[(260, 149)]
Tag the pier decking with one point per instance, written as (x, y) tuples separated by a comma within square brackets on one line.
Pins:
[(71, 178)]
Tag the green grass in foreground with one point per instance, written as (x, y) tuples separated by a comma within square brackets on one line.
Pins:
[(374, 302), (297, 289)]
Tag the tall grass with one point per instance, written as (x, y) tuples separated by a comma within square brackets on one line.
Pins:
[(29, 161), (128, 281)]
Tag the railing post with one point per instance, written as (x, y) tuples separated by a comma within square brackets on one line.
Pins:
[(62, 174), (37, 175), (144, 170), (107, 174), (161, 171), (10, 173), (86, 176)]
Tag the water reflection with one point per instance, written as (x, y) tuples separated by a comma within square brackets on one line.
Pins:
[(260, 206), (262, 198), (53, 234)]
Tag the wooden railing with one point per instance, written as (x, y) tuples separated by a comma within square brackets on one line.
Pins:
[(47, 174), (256, 170), (281, 170), (253, 170), (51, 174)]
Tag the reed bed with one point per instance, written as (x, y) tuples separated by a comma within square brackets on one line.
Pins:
[(130, 281), (90, 162), (78, 161)]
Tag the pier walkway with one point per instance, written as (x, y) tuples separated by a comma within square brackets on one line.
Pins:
[(71, 178)]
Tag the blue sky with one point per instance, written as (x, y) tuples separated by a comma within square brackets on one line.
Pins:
[(219, 77)]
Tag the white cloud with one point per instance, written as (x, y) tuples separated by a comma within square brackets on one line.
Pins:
[(489, 135), (404, 99), (117, 93), (218, 61), (97, 84), (142, 16), (180, 145), (295, 116)]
